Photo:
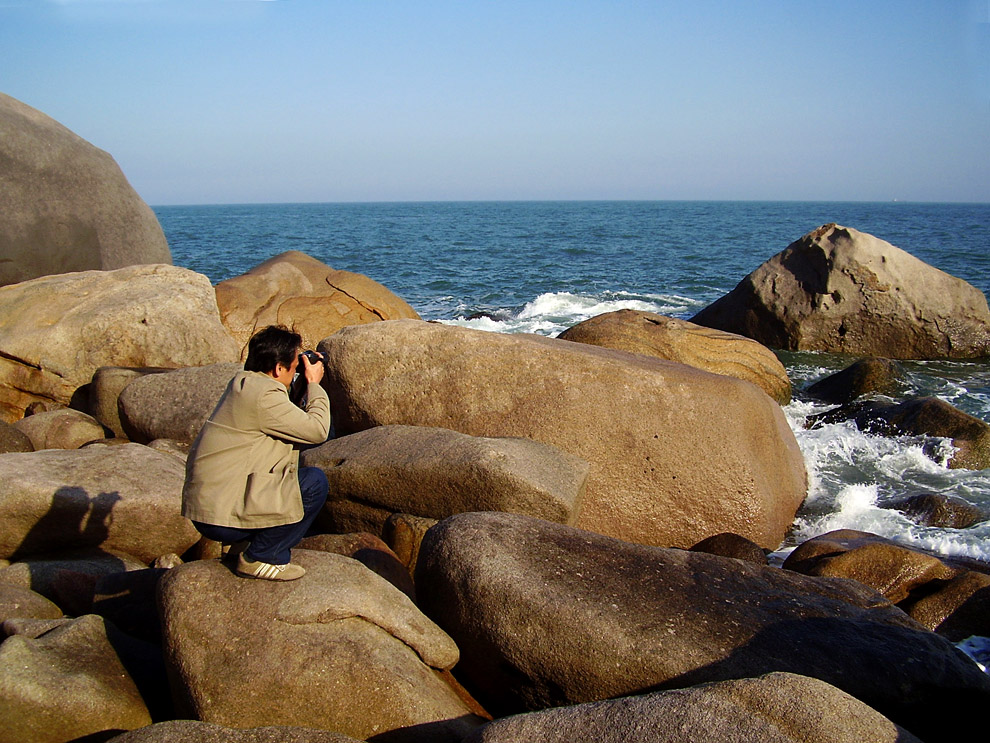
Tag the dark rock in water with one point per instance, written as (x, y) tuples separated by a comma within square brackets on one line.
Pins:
[(66, 205), (775, 708), (732, 545), (678, 340), (12, 440), (482, 315), (843, 291), (937, 509), (549, 615), (863, 377), (959, 609), (193, 731), (918, 416)]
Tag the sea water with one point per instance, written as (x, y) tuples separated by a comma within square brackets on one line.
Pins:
[(541, 267)]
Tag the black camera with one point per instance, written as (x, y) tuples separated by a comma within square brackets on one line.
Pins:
[(313, 357)]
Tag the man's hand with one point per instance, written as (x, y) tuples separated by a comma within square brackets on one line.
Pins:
[(313, 371)]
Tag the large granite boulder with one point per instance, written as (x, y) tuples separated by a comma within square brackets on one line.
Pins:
[(844, 291), (60, 429), (340, 649), (678, 340), (124, 498), (172, 405), (104, 391), (194, 731), (775, 708), (436, 472), (302, 293), (67, 684), (676, 454), (56, 331), (66, 205), (20, 602), (548, 615), (918, 416)]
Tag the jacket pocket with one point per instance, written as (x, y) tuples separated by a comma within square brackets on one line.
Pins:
[(264, 495)]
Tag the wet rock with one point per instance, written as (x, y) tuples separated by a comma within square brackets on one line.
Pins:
[(125, 498), (918, 416), (775, 708), (173, 405), (66, 205), (548, 615), (56, 331), (436, 472), (678, 340), (936, 509), (959, 609), (732, 545), (863, 377), (843, 291), (676, 454), (60, 429), (66, 684), (339, 649), (300, 292)]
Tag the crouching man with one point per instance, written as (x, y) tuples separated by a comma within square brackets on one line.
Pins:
[(243, 480)]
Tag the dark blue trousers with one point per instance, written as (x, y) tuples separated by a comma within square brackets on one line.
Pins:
[(273, 544)]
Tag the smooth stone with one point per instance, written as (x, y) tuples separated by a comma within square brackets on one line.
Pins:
[(60, 429), (862, 377), (194, 731)]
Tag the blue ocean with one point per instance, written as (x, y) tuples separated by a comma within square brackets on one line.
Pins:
[(540, 267)]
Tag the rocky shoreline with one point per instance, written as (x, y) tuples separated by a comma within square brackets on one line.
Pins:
[(526, 538)]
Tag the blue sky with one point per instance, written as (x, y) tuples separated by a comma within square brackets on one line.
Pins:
[(231, 101)]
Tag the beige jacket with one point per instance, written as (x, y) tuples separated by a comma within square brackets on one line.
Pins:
[(242, 469)]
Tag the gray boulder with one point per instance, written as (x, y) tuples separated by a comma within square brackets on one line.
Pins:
[(60, 429), (339, 649), (678, 340), (66, 684), (436, 472), (108, 382), (56, 331), (547, 615), (66, 205), (676, 454), (775, 708), (844, 291), (173, 405), (125, 498)]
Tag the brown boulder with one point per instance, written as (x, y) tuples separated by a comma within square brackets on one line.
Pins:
[(56, 331), (678, 340), (959, 609), (918, 416), (173, 405), (193, 731), (66, 684), (549, 615), (732, 545), (368, 550), (60, 429), (20, 602), (404, 534), (938, 509), (843, 291), (340, 649), (13, 440), (863, 377), (124, 498), (775, 708), (677, 454), (436, 472), (66, 205), (108, 382), (300, 292)]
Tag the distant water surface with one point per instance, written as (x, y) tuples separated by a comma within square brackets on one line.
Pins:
[(543, 266)]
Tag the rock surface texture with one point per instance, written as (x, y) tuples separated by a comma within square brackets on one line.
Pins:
[(676, 454), (60, 429), (66, 205), (775, 708), (436, 472), (844, 291), (678, 340), (193, 731), (339, 649), (549, 615), (308, 296), (56, 331), (123, 498), (862, 377)]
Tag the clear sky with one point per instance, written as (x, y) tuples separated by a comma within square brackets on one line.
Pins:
[(230, 101)]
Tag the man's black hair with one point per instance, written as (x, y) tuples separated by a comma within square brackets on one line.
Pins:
[(270, 346)]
